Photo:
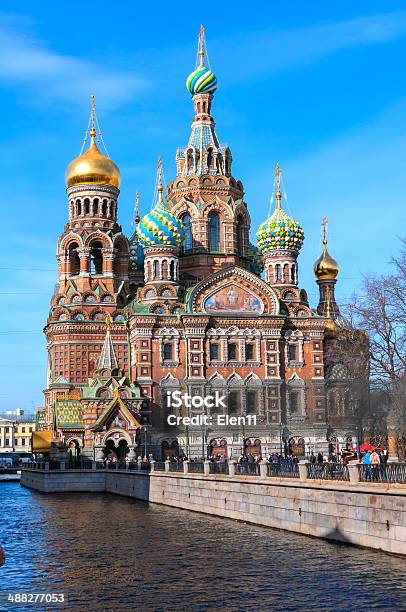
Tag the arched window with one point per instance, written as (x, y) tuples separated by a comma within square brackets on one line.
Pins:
[(167, 351), (156, 268), (87, 206), (188, 241), (172, 270), (78, 208), (214, 232), (96, 258), (292, 352), (292, 274), (95, 206), (104, 208), (278, 272), (74, 261)]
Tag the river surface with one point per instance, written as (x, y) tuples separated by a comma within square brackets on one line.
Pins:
[(106, 552)]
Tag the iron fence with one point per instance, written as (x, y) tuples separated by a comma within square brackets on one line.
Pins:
[(328, 471), (159, 466), (174, 466), (383, 472), (196, 467), (283, 469), (218, 467), (249, 469)]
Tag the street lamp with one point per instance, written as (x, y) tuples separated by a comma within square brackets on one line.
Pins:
[(145, 428)]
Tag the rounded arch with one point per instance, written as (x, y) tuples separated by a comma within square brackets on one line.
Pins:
[(101, 237), (66, 240), (112, 435)]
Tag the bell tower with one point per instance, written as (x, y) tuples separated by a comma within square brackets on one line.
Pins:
[(204, 195), (93, 267)]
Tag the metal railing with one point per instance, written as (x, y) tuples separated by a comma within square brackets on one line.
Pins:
[(328, 471), (196, 467), (283, 469), (174, 466), (249, 469), (218, 467), (383, 472), (159, 466)]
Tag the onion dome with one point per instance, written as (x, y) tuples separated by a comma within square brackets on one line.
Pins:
[(202, 80), (92, 168), (160, 226), (279, 231), (325, 268)]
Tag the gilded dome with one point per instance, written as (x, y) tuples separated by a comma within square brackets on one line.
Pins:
[(92, 168), (326, 268), (160, 226)]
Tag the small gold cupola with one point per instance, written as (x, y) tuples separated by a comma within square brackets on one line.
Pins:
[(325, 267), (92, 167)]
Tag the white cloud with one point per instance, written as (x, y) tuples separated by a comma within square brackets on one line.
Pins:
[(274, 51), (26, 60)]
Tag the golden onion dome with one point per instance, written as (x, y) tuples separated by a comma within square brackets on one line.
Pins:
[(92, 168), (326, 268)]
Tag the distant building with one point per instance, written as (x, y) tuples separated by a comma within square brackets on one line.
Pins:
[(16, 435), (187, 309)]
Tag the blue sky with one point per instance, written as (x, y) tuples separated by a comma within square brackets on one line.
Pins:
[(318, 87)]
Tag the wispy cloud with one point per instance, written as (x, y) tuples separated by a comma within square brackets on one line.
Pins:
[(27, 61), (274, 51)]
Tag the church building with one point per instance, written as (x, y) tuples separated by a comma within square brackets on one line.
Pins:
[(190, 304)]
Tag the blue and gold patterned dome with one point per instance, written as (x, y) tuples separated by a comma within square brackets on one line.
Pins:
[(280, 231), (160, 226)]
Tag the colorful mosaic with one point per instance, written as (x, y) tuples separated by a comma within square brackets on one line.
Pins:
[(280, 231), (160, 226), (233, 300), (68, 414)]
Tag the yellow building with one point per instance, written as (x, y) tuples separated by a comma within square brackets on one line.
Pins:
[(16, 435)]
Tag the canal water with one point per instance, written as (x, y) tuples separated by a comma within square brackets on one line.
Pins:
[(106, 552)]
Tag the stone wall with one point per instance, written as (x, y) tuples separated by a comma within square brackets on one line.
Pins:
[(366, 515)]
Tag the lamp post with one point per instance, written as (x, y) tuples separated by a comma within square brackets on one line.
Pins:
[(145, 428)]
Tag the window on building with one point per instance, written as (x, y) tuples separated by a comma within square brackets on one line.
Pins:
[(188, 241), (22, 441), (251, 402), (167, 351), (22, 429), (96, 258), (233, 402), (294, 402), (214, 232), (278, 272), (214, 351), (249, 352), (232, 352), (74, 261), (292, 352)]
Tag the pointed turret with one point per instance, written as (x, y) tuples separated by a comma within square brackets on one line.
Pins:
[(107, 359), (326, 270)]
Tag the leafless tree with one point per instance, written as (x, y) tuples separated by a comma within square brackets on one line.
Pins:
[(380, 311)]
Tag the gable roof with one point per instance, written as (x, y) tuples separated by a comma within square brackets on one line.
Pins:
[(117, 401)]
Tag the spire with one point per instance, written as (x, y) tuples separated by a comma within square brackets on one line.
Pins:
[(201, 46), (136, 208), (92, 132), (159, 180), (278, 192), (107, 358)]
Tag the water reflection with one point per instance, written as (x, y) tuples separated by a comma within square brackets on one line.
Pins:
[(105, 551)]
